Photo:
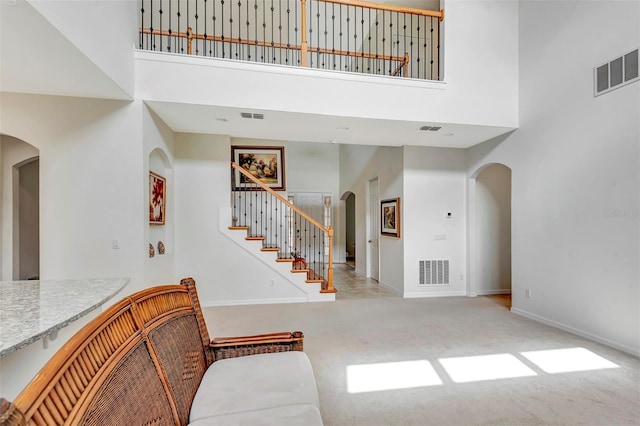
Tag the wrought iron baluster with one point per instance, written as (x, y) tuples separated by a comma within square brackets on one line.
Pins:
[(418, 37), (264, 31), (438, 50), (204, 40), (347, 58), (333, 32), (288, 33), (248, 32), (231, 43), (222, 29), (240, 45), (213, 30), (255, 38)]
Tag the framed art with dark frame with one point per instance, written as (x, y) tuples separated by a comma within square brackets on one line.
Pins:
[(157, 199), (390, 217), (266, 163)]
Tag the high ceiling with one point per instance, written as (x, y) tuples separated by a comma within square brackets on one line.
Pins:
[(36, 58)]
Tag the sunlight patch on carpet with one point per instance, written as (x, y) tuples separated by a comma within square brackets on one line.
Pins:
[(391, 375), (568, 360), (485, 367)]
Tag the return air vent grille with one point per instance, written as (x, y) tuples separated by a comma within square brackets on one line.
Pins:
[(616, 73), (434, 272), (256, 116)]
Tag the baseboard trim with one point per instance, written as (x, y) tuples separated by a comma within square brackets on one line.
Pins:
[(577, 332), (493, 292), (213, 304), (390, 288), (415, 295)]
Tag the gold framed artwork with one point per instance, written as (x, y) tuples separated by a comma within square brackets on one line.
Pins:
[(157, 199), (390, 217), (266, 163)]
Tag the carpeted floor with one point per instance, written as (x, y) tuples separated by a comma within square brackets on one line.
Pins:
[(438, 337)]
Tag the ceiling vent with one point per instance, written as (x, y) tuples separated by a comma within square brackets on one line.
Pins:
[(431, 128), (250, 115), (616, 73)]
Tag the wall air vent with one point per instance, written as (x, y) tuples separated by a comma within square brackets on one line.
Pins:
[(617, 73), (433, 272), (431, 128), (250, 115)]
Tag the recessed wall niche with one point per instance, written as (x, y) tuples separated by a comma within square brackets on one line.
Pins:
[(160, 202)]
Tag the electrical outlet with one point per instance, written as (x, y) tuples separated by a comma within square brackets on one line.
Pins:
[(115, 244), (527, 292)]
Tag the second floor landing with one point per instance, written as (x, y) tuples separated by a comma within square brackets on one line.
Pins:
[(91, 49)]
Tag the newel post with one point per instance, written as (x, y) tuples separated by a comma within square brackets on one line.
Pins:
[(304, 48), (327, 223), (189, 40)]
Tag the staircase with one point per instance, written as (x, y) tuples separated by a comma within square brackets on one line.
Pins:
[(281, 235)]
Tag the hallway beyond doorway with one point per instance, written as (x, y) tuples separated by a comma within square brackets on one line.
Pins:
[(354, 285)]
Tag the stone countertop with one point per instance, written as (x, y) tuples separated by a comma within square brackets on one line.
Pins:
[(32, 310)]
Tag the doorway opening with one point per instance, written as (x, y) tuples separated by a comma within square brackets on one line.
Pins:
[(490, 227), (27, 223), (350, 230), (20, 190), (373, 220)]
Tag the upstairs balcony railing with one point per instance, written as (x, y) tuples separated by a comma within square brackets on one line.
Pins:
[(339, 35)]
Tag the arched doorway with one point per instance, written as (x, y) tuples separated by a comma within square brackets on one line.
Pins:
[(350, 229), (490, 231), (20, 189)]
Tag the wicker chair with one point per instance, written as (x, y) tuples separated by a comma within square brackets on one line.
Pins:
[(141, 362)]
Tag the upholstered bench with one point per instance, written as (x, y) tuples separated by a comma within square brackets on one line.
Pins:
[(148, 360)]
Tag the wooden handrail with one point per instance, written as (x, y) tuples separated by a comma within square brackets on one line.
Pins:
[(401, 65), (327, 230), (190, 36), (280, 197), (390, 8)]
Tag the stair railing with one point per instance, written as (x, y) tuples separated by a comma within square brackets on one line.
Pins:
[(282, 227), (339, 35)]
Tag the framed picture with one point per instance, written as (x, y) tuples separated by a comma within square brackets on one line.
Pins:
[(264, 162), (390, 217), (157, 199)]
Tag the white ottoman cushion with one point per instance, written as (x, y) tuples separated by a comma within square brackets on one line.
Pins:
[(303, 415), (255, 382)]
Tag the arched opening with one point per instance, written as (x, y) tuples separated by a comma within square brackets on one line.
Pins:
[(490, 232), (350, 229), (20, 223), (160, 176), (27, 221)]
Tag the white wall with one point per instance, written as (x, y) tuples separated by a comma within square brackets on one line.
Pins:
[(158, 157), (112, 26), (12, 151), (480, 86), (434, 185), (91, 183), (575, 173), (493, 225)]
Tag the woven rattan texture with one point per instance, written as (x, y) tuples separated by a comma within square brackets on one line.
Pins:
[(236, 351), (131, 395), (10, 415), (182, 358)]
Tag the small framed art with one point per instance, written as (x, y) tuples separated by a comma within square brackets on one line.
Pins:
[(390, 217), (157, 199)]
